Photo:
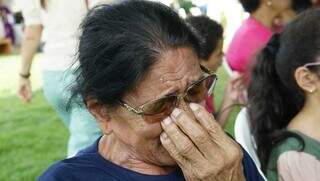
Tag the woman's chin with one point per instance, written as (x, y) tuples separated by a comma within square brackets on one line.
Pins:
[(164, 158)]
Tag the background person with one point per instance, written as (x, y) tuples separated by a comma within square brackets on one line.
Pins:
[(254, 32), (57, 22), (211, 55), (7, 36), (284, 101)]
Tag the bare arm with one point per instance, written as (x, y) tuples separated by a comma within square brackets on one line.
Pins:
[(231, 95), (30, 44), (225, 110)]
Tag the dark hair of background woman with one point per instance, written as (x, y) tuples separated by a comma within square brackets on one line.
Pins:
[(297, 5), (250, 5), (301, 5), (274, 96), (209, 31), (119, 44), (43, 4)]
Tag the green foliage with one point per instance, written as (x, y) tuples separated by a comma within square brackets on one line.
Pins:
[(31, 138), (186, 5)]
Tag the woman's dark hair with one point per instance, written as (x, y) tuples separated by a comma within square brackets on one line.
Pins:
[(210, 33), (274, 96), (301, 5), (43, 4), (120, 42), (250, 5)]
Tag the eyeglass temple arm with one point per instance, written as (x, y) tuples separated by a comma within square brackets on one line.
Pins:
[(129, 108), (312, 64)]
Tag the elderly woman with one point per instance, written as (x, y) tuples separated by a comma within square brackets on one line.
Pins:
[(139, 76)]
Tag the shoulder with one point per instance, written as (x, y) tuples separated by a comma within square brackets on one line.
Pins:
[(288, 144), (250, 169), (251, 31), (252, 36), (294, 165), (76, 168), (31, 12), (56, 171)]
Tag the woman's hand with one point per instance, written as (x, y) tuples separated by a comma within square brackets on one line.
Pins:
[(200, 147), (235, 88), (24, 89)]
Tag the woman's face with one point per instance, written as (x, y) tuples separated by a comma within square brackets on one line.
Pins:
[(215, 59), (280, 5), (176, 70)]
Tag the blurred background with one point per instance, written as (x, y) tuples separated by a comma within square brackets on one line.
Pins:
[(31, 135)]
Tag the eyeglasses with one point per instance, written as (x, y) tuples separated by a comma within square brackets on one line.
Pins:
[(195, 93), (312, 64)]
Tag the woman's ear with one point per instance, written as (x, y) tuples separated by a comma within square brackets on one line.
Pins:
[(101, 114), (306, 80)]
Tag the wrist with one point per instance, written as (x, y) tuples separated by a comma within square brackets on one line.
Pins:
[(227, 101), (25, 75)]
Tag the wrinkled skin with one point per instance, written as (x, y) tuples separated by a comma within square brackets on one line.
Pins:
[(194, 140), (201, 148)]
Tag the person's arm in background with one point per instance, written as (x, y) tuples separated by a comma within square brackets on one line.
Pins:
[(31, 13), (230, 98), (30, 44)]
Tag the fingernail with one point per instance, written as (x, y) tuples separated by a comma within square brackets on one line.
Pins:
[(194, 106), (163, 135), (166, 121), (176, 112)]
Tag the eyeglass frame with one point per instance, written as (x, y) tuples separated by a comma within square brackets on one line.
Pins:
[(311, 64), (140, 111)]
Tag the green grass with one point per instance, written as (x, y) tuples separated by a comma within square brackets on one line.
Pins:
[(31, 135), (31, 138)]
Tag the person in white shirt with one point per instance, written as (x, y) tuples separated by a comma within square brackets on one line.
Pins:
[(56, 22)]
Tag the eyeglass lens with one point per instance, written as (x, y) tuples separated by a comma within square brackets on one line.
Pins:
[(196, 93)]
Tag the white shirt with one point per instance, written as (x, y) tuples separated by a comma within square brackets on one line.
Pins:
[(61, 20)]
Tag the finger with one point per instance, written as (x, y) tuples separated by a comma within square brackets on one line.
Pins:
[(25, 94), (19, 93), (237, 83), (22, 94), (183, 144), (193, 130), (236, 76), (234, 79), (224, 143), (28, 94), (208, 122), (172, 150)]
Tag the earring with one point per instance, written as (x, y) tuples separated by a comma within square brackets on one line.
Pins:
[(311, 91), (269, 3)]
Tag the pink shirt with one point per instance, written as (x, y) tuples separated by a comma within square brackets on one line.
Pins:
[(209, 104), (247, 41)]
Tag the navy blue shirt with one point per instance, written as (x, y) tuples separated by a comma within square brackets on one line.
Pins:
[(90, 165)]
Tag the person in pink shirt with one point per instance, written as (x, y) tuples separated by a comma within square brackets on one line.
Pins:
[(255, 31)]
